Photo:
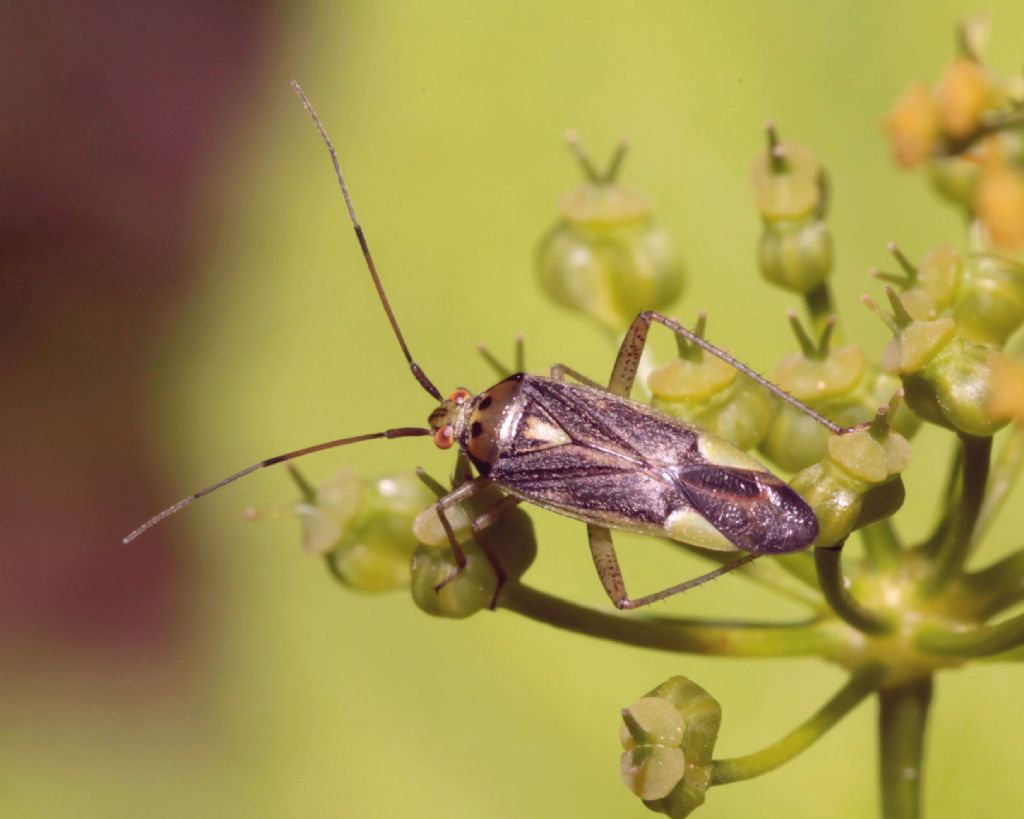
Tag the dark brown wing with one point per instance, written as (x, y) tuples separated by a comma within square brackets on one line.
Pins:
[(591, 485), (594, 456), (756, 511), (599, 420)]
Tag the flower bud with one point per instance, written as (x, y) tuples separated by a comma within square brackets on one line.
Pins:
[(840, 383), (361, 526), (946, 377), (796, 255), (990, 305), (704, 390), (913, 126), (858, 482), (795, 250), (982, 292), (962, 96), (606, 258), (955, 178), (438, 587), (999, 200), (1007, 399), (669, 737)]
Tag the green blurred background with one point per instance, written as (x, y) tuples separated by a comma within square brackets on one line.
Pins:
[(224, 315)]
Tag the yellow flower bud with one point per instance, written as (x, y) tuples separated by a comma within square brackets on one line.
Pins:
[(962, 96), (999, 200), (913, 126)]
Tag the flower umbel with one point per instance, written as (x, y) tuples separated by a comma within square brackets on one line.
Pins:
[(904, 607)]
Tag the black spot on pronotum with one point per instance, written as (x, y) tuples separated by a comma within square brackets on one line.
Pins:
[(485, 402), (476, 429)]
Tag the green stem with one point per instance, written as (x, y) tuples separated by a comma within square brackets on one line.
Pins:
[(679, 635), (1004, 475), (881, 544), (833, 584), (902, 717), (821, 308), (306, 489), (860, 684), (975, 642), (997, 586), (1014, 655), (950, 496), (956, 546)]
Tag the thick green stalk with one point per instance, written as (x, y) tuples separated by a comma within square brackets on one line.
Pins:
[(997, 586), (902, 717), (861, 683), (821, 308), (881, 545), (833, 584), (680, 635), (956, 546), (976, 642), (1004, 476)]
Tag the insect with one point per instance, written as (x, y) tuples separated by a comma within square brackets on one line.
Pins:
[(566, 444)]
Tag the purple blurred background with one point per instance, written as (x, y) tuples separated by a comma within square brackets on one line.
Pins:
[(114, 115)]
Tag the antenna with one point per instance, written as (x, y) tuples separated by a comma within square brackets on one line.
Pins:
[(401, 432), (416, 370), (718, 352)]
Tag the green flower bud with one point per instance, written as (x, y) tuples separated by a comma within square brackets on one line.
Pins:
[(858, 482), (461, 595), (605, 257), (946, 377), (990, 306), (361, 526), (982, 292), (955, 178), (787, 180), (669, 737), (652, 734), (795, 251), (706, 391), (796, 255), (437, 586), (840, 383)]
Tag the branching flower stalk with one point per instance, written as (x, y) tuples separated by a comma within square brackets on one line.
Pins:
[(911, 607)]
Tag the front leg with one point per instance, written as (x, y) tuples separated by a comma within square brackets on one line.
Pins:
[(478, 526)]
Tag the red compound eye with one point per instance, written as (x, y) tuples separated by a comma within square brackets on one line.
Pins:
[(444, 437), (460, 396)]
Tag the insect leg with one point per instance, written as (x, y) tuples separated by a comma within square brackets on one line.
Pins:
[(561, 372), (453, 498), (519, 362), (478, 525), (628, 359), (607, 563), (520, 355)]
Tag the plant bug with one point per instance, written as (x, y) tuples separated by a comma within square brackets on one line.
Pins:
[(567, 444)]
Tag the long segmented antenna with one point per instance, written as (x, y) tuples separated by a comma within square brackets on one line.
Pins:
[(400, 432), (421, 376)]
